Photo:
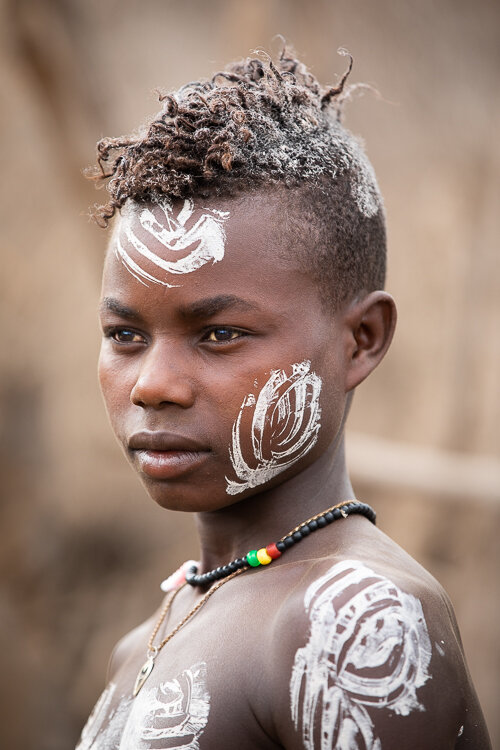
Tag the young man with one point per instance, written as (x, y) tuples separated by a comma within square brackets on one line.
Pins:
[(242, 304)]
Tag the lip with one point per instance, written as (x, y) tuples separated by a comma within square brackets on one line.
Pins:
[(165, 455)]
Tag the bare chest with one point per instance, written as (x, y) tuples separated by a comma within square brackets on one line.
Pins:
[(197, 696)]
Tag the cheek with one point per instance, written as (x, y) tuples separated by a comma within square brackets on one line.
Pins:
[(275, 428), (113, 385), (333, 402)]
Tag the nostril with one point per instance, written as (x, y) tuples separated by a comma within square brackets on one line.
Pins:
[(157, 388), (136, 401)]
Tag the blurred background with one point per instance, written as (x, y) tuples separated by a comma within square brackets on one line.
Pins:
[(82, 548)]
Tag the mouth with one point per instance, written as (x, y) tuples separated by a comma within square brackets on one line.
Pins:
[(164, 455)]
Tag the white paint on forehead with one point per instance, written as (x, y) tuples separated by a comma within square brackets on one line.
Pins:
[(173, 713), (198, 241), (368, 647), (285, 426)]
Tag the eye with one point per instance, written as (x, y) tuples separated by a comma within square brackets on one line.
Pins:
[(222, 334), (124, 336)]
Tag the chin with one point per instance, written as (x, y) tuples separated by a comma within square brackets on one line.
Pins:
[(179, 497)]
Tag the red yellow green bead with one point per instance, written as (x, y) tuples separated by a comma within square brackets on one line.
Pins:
[(263, 557), (273, 551), (252, 558)]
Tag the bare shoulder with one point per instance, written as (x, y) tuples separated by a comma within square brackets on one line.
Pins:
[(374, 655)]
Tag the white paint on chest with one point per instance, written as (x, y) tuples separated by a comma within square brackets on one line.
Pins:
[(197, 243), (172, 714), (368, 648), (284, 426), (96, 719)]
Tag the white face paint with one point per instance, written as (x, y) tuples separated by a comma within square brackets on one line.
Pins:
[(368, 648), (285, 426), (173, 713), (202, 242)]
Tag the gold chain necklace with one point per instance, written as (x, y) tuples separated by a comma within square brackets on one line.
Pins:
[(153, 651), (253, 559)]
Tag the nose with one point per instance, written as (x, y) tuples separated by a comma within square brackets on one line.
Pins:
[(162, 380)]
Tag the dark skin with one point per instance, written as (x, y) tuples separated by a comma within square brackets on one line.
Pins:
[(180, 361)]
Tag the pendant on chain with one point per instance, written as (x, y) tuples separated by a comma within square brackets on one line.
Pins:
[(143, 675)]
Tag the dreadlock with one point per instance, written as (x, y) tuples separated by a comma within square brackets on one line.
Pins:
[(261, 124)]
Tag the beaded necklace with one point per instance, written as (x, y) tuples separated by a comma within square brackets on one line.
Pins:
[(188, 573)]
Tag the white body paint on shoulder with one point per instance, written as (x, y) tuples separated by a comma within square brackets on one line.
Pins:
[(368, 647), (285, 426), (174, 712), (201, 243)]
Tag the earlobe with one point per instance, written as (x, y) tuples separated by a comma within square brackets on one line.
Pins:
[(371, 322)]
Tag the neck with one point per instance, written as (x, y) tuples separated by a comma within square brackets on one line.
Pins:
[(264, 518)]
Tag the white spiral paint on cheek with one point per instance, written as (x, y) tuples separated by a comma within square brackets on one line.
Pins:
[(201, 243), (285, 426), (371, 649)]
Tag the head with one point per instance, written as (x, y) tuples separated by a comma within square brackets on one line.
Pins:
[(243, 288)]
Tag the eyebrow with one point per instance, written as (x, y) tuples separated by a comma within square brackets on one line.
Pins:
[(210, 306), (109, 304), (204, 308)]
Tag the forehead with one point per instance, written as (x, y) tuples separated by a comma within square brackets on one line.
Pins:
[(196, 248), (206, 230)]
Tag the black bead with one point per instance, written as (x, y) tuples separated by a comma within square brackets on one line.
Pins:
[(232, 566), (190, 576), (329, 517), (297, 536), (337, 514), (313, 525), (321, 521), (241, 562), (280, 546), (305, 530), (288, 541)]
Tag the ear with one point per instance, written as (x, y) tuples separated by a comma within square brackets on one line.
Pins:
[(370, 328)]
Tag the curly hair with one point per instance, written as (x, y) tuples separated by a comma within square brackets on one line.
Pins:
[(261, 124)]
